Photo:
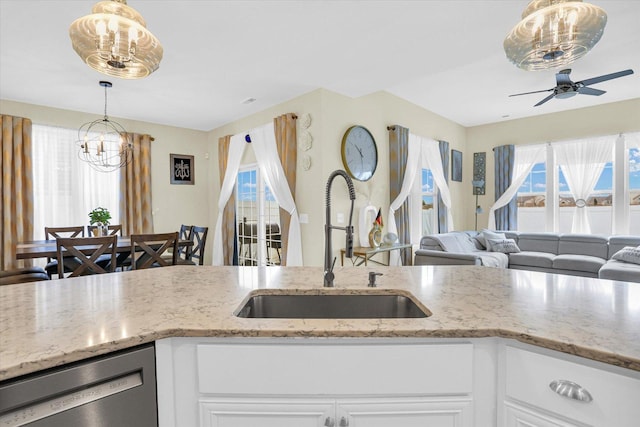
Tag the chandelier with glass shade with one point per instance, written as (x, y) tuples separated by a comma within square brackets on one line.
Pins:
[(114, 40), (104, 143), (554, 33)]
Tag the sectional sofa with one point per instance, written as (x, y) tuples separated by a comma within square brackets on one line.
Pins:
[(614, 257)]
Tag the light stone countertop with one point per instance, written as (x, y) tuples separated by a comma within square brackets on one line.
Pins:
[(47, 324)]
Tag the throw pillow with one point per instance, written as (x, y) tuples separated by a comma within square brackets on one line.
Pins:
[(488, 234), (628, 254), (506, 246)]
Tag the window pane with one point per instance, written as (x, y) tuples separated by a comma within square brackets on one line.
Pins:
[(532, 191), (65, 188)]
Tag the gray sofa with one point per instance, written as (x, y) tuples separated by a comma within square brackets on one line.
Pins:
[(573, 254)]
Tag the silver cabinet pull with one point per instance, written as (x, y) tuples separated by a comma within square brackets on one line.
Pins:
[(329, 422), (344, 422), (571, 390)]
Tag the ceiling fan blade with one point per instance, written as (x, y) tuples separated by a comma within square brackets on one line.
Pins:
[(562, 77), (605, 77), (545, 100), (535, 91), (590, 91)]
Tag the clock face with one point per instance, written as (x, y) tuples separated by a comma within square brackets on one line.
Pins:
[(359, 153)]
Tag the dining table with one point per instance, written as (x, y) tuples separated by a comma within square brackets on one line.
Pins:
[(47, 248)]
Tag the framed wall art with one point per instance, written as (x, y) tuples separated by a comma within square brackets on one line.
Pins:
[(456, 165), (182, 169)]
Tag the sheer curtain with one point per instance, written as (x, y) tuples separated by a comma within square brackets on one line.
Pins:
[(525, 158), (65, 188), (263, 142), (582, 163), (422, 152)]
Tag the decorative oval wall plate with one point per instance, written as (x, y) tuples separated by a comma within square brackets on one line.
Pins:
[(306, 162), (305, 121), (306, 140)]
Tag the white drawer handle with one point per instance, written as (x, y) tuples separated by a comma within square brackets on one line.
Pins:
[(571, 390)]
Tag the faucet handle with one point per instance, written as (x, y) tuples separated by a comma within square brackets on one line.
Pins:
[(372, 278)]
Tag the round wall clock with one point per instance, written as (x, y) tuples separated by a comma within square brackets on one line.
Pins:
[(359, 153)]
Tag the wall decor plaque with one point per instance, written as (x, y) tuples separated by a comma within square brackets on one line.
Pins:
[(182, 169)]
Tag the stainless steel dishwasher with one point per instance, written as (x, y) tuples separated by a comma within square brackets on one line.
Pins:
[(118, 389)]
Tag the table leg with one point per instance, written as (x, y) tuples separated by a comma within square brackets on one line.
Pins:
[(342, 258)]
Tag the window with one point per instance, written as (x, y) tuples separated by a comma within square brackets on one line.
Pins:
[(428, 201), (257, 220), (65, 188), (535, 215)]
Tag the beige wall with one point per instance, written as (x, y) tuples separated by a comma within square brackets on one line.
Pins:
[(332, 114), (173, 205), (607, 119)]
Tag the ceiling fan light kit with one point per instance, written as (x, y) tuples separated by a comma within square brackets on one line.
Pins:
[(114, 40), (554, 33)]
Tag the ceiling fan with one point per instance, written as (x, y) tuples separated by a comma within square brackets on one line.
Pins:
[(565, 88)]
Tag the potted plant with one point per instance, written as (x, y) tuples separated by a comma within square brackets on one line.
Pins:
[(100, 217)]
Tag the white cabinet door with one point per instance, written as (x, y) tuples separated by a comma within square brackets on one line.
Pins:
[(248, 412), (405, 412)]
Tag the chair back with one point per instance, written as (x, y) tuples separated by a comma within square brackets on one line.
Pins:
[(86, 255), (184, 252), (114, 230), (56, 232), (147, 250), (199, 239)]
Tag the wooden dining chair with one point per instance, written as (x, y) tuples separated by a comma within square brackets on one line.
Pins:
[(199, 239), (114, 230), (86, 255), (147, 250), (184, 252), (51, 233)]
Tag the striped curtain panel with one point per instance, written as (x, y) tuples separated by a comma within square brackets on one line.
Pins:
[(443, 226), (287, 144), (135, 188), (504, 162), (16, 190), (229, 240), (398, 151)]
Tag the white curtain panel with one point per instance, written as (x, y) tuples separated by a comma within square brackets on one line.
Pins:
[(582, 163), (66, 188), (525, 158), (263, 141), (236, 148), (423, 152)]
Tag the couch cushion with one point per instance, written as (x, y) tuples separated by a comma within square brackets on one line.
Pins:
[(619, 242), (583, 244), (628, 254), (428, 242), (532, 259), (539, 242), (619, 270), (489, 234), (505, 246), (573, 262)]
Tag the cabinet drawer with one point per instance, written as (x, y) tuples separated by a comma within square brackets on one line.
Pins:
[(312, 369), (615, 396)]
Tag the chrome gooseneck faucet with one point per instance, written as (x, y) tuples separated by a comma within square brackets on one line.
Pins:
[(328, 250)]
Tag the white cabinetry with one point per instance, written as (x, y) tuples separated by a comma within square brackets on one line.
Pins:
[(590, 395), (315, 382), (317, 412)]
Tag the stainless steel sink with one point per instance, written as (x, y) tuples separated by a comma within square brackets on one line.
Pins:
[(332, 306)]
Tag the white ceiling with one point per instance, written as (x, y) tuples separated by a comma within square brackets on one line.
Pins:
[(445, 56)]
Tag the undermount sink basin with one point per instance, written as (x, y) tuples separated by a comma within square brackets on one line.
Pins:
[(364, 305)]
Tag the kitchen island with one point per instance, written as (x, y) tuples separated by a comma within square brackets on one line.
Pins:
[(48, 324)]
